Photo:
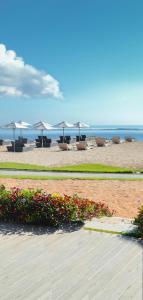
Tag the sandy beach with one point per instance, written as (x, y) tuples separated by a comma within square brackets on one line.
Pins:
[(123, 196), (124, 154)]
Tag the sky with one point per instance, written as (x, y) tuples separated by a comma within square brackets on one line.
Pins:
[(73, 60)]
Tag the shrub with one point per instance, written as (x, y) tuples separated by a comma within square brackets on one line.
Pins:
[(139, 221), (36, 207)]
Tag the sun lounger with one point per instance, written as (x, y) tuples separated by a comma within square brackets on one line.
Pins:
[(63, 146), (80, 138), (46, 143), (128, 139), (19, 149), (17, 146), (116, 140), (15, 149), (100, 142), (66, 139), (81, 145), (24, 140)]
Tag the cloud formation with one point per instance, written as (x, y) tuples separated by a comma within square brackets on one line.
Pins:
[(23, 80)]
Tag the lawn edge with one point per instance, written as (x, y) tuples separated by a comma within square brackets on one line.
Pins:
[(123, 233)]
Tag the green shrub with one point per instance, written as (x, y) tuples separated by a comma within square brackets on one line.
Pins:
[(139, 221), (36, 207)]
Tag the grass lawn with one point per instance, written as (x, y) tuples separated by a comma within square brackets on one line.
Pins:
[(34, 177), (94, 168)]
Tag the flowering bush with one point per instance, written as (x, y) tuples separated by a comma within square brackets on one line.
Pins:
[(36, 207), (139, 221)]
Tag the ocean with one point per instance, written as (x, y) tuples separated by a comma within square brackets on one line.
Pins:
[(136, 131)]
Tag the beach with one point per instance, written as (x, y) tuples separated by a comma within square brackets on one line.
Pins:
[(124, 155), (124, 197)]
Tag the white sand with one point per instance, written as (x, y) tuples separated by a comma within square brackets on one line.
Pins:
[(125, 154)]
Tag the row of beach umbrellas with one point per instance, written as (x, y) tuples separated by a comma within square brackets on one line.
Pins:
[(42, 126)]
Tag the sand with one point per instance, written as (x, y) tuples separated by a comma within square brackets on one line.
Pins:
[(123, 196), (125, 155)]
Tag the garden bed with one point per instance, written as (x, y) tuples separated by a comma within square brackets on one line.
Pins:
[(29, 206)]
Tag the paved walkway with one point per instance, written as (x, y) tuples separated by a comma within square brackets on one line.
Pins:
[(70, 174), (115, 224), (37, 264)]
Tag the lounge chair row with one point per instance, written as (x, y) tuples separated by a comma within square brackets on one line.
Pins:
[(115, 140), (67, 139), (82, 145), (100, 142)]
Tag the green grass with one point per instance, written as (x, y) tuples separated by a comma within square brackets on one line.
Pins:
[(134, 234), (89, 168), (22, 166)]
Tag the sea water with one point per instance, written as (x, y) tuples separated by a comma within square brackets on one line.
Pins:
[(108, 132)]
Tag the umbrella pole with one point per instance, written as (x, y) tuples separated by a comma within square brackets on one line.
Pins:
[(63, 134), (21, 132), (79, 133), (42, 138), (14, 139)]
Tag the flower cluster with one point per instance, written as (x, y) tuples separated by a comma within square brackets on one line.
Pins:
[(37, 207)]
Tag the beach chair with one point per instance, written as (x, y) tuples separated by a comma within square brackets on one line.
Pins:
[(82, 145), (63, 146), (100, 142), (116, 140), (80, 138), (24, 140), (129, 139), (15, 149), (66, 139)]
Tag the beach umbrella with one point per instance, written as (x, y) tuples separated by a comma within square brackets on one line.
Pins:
[(42, 126), (80, 125), (63, 125), (23, 124), (14, 126)]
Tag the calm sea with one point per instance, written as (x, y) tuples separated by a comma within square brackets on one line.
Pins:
[(103, 131)]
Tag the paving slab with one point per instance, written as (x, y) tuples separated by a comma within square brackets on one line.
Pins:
[(71, 174), (115, 224), (40, 264)]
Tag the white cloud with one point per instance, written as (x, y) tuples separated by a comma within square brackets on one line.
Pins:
[(23, 80)]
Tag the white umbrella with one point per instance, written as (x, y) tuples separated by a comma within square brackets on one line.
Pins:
[(63, 125), (14, 126), (42, 126), (80, 125), (24, 124)]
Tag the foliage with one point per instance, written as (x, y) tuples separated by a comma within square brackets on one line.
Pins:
[(37, 207), (139, 221)]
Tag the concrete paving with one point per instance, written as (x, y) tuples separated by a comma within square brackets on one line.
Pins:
[(70, 264), (70, 174), (115, 224)]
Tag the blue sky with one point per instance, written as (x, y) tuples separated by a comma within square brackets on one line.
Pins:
[(93, 51)]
